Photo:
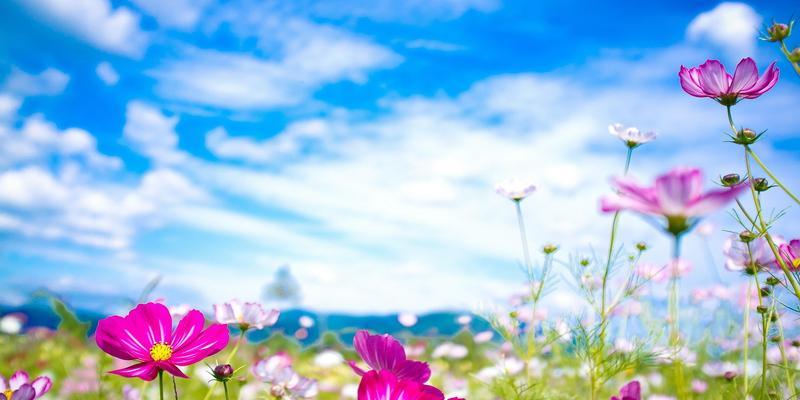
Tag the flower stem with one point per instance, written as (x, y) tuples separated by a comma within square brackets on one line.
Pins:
[(746, 329), (523, 236), (771, 175), (764, 325), (227, 361), (161, 384), (225, 386), (674, 308), (786, 53)]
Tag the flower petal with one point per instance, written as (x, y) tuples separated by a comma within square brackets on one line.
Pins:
[(113, 337), (764, 84), (24, 392), (745, 76), (676, 190), (384, 385), (690, 82), (151, 323), (188, 329), (42, 385), (210, 341), (146, 371), (18, 379), (713, 78), (714, 200), (172, 369)]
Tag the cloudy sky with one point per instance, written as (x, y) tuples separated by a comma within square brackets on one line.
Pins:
[(212, 142)]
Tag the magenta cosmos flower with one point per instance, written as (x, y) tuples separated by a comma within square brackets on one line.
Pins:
[(385, 353), (19, 387), (790, 252), (383, 385), (711, 80), (631, 391), (146, 335), (677, 195)]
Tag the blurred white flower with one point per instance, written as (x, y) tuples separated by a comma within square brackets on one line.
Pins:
[(407, 319), (515, 189), (277, 372), (450, 350), (328, 359), (464, 319), (12, 324), (631, 136), (305, 321), (245, 315), (483, 337)]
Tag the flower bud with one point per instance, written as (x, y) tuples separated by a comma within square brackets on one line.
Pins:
[(794, 56), (222, 372), (795, 343), (778, 32), (729, 375), (513, 314), (746, 136), (731, 180), (761, 184), (761, 309), (773, 316), (747, 236), (641, 246), (772, 281), (766, 291), (549, 249), (584, 262), (775, 339)]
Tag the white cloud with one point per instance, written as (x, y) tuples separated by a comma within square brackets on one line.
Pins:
[(434, 45), (409, 11), (151, 132), (38, 138), (182, 14), (31, 188), (95, 21), (48, 82), (106, 72), (310, 55), (289, 142), (9, 105), (732, 26)]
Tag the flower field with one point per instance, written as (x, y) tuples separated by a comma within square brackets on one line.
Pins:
[(640, 330)]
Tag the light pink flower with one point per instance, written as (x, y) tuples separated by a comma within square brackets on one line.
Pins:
[(711, 80), (284, 382), (631, 136), (19, 387), (740, 256), (677, 195), (245, 315), (146, 335), (515, 189)]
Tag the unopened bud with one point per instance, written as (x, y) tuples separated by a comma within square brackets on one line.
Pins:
[(513, 314), (729, 375), (794, 56), (773, 317), (746, 136), (584, 262), (761, 309), (766, 291), (795, 343), (778, 32), (761, 184), (641, 246), (775, 339), (747, 236), (772, 281), (223, 371), (731, 180), (549, 249)]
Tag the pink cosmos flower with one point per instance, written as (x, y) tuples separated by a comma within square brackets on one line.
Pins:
[(146, 335), (284, 382), (385, 353), (383, 385), (790, 253), (631, 391), (515, 189), (739, 257), (19, 387), (676, 195), (711, 80), (245, 315)]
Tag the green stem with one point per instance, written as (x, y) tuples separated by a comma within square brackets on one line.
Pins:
[(225, 386), (771, 175), (746, 328), (161, 384), (675, 315), (523, 236), (764, 325), (789, 372), (227, 361), (786, 53)]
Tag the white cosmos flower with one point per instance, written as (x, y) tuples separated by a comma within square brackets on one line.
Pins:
[(245, 315), (631, 135), (515, 189)]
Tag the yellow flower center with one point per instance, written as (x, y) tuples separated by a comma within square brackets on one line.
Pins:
[(8, 393), (796, 263), (161, 352)]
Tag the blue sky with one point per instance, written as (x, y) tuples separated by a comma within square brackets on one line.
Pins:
[(212, 142)]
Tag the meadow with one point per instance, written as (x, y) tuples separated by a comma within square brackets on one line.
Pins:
[(722, 341)]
